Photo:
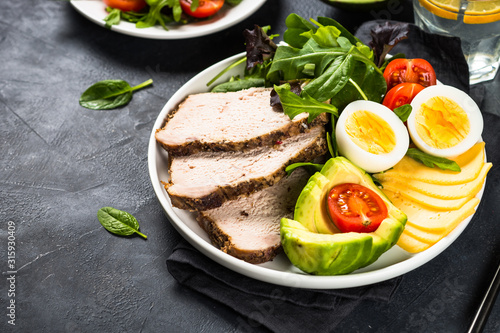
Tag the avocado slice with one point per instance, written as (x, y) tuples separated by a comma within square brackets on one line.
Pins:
[(313, 243)]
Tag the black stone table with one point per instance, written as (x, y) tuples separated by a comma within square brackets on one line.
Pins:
[(60, 163)]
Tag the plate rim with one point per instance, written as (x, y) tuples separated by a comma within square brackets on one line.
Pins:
[(260, 272), (157, 32)]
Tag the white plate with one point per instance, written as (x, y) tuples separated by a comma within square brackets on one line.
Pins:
[(95, 11), (280, 271)]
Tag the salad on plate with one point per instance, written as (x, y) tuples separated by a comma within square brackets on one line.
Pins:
[(401, 167)]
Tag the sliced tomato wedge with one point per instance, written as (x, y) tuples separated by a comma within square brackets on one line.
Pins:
[(402, 94), (205, 8), (409, 70), (356, 208), (126, 5)]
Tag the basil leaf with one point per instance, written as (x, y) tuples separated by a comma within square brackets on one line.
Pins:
[(403, 112), (311, 168), (432, 161), (294, 105), (119, 222), (109, 94)]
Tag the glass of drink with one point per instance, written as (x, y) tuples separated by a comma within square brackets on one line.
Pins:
[(476, 22)]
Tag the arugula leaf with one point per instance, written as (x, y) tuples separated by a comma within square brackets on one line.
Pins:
[(312, 168), (403, 112), (296, 27), (237, 84), (154, 16), (343, 31), (432, 161), (385, 37), (109, 94), (331, 140), (294, 105), (113, 18), (118, 222)]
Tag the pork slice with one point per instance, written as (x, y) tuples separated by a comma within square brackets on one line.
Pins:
[(205, 180), (229, 121), (248, 228)]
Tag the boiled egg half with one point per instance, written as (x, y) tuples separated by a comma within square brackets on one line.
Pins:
[(371, 136), (444, 121)]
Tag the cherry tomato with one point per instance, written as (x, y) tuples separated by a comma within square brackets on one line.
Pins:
[(356, 208), (205, 7), (401, 94), (409, 70), (126, 5)]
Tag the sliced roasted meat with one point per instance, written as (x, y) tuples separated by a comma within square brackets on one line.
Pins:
[(248, 228), (231, 121), (205, 180)]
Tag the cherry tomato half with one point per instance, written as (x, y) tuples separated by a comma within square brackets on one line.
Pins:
[(205, 8), (401, 94), (356, 208), (409, 70), (126, 5)]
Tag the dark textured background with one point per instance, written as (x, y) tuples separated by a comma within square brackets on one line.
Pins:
[(60, 163)]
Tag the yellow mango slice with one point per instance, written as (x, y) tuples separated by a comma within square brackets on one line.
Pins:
[(470, 164), (411, 244), (432, 220), (425, 200)]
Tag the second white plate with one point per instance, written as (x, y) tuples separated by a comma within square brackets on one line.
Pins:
[(95, 11)]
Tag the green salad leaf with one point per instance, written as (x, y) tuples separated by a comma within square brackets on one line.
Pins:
[(109, 94), (339, 66), (294, 105), (432, 161), (119, 222), (311, 168), (403, 112)]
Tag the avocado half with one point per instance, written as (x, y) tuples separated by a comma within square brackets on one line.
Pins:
[(313, 243)]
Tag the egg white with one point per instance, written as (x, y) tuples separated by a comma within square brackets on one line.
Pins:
[(465, 102), (370, 162)]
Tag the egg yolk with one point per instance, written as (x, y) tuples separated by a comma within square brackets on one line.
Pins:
[(370, 132), (441, 123)]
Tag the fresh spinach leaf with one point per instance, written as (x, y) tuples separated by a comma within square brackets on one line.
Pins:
[(343, 31), (311, 168), (403, 112), (294, 105), (109, 94), (113, 17), (335, 60), (119, 222), (432, 161), (331, 140)]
